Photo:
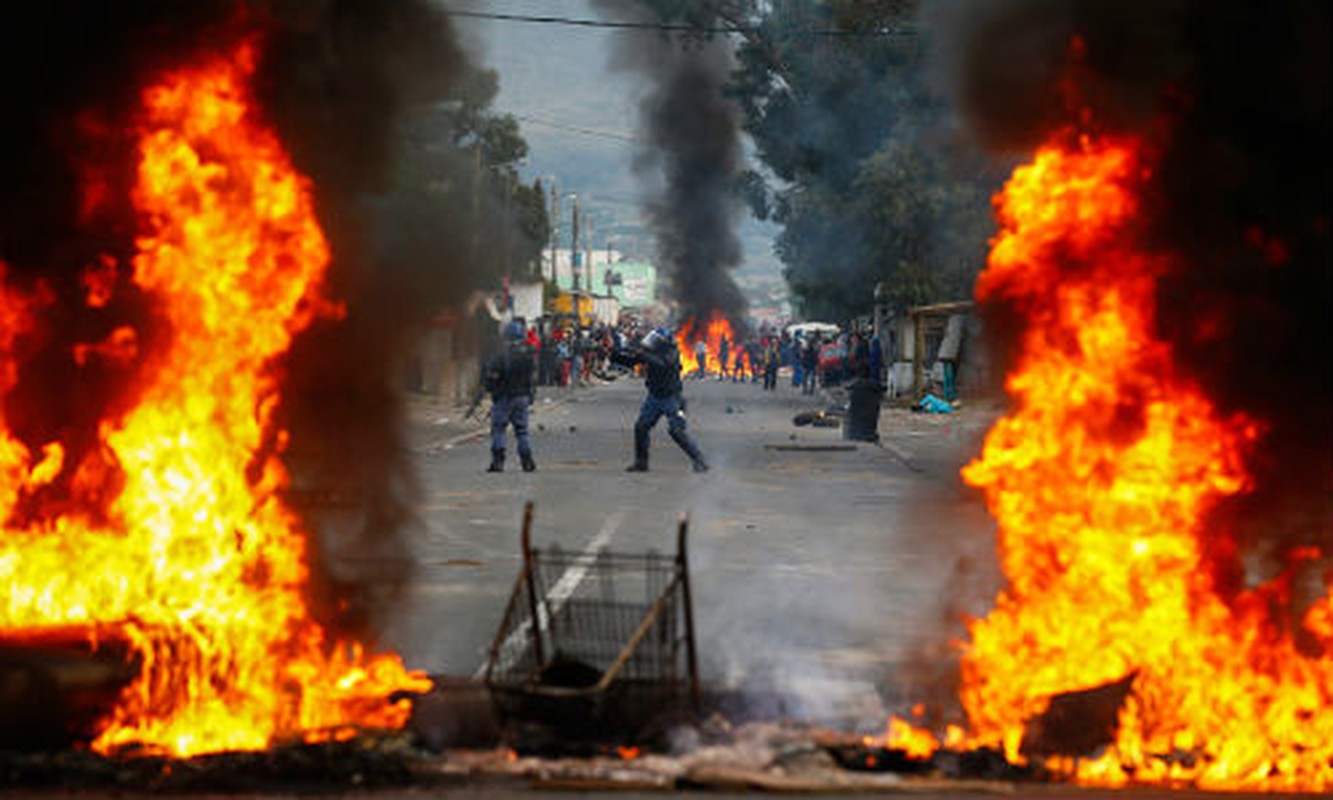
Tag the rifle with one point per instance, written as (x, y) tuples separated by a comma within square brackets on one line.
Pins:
[(476, 401)]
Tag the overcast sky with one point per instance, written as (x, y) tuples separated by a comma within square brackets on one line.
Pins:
[(554, 78), (579, 117)]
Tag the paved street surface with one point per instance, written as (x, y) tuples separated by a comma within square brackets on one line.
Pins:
[(831, 576), (823, 572)]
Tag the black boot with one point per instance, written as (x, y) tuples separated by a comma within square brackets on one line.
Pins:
[(640, 451), (691, 449), (528, 464), (497, 461)]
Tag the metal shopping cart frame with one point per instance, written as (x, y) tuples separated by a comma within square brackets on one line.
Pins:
[(594, 648)]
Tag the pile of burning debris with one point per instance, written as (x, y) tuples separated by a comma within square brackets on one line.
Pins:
[(710, 754), (770, 756), (594, 686), (713, 751)]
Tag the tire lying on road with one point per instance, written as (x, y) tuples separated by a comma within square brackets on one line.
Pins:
[(818, 419)]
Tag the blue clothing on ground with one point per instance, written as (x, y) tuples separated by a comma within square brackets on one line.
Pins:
[(934, 405)]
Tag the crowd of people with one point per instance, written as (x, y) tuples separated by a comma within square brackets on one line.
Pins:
[(815, 360), (571, 355), (564, 355)]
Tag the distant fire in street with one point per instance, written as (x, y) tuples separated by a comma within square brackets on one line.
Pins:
[(174, 537), (712, 333)]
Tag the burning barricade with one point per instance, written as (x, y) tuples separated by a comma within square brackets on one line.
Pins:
[(1116, 655), (169, 539)]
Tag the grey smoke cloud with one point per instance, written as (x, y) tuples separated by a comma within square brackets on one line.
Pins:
[(691, 161)]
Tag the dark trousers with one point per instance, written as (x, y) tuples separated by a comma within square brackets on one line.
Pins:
[(653, 409), (506, 411)]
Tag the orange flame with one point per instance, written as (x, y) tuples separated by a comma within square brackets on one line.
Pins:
[(916, 742), (711, 333), (196, 562), (1101, 481)]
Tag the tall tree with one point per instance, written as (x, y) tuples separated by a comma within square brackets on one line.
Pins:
[(867, 172), (863, 162), (862, 165), (461, 159)]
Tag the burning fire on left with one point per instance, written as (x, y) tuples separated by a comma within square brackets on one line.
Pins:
[(182, 546)]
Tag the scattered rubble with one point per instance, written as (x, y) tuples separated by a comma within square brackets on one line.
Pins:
[(759, 756), (713, 755)]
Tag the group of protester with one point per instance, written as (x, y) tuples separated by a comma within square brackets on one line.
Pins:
[(569, 355), (814, 360), (754, 360), (565, 356)]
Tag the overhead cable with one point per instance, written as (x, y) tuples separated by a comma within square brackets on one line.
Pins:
[(672, 26)]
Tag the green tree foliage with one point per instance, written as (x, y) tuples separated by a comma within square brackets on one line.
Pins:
[(866, 170), (863, 164), (461, 160)]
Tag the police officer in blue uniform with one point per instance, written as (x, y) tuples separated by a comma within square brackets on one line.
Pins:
[(657, 352), (508, 378)]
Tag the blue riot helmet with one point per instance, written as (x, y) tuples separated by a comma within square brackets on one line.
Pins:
[(514, 330), (657, 339)]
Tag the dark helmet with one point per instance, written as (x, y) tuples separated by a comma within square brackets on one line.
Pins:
[(657, 339), (514, 330)]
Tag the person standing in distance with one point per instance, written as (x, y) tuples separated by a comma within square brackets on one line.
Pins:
[(508, 378), (657, 352)]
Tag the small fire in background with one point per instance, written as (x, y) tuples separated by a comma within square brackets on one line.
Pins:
[(176, 539), (711, 333), (1101, 481), (627, 753)]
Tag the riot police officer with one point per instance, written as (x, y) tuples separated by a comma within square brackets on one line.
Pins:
[(508, 378), (657, 352)]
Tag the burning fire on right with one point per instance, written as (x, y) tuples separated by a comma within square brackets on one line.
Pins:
[(1101, 480)]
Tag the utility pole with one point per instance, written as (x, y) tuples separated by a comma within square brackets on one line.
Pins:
[(554, 243), (576, 263), (590, 267)]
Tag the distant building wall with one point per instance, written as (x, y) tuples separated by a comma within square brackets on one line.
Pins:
[(528, 300), (606, 310), (558, 267), (447, 359), (603, 272), (633, 283), (948, 332)]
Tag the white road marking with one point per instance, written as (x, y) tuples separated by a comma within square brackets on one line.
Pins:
[(565, 586)]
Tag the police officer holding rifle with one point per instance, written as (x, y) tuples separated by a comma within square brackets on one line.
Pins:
[(508, 378)]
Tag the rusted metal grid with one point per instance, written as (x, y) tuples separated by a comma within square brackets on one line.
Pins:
[(594, 648)]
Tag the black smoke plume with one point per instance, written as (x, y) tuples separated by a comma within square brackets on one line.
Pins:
[(335, 78), (690, 161), (1236, 95)]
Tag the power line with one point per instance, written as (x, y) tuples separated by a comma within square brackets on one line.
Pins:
[(621, 137), (668, 26)]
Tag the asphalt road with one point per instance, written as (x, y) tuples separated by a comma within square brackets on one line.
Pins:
[(833, 577), (830, 573)]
